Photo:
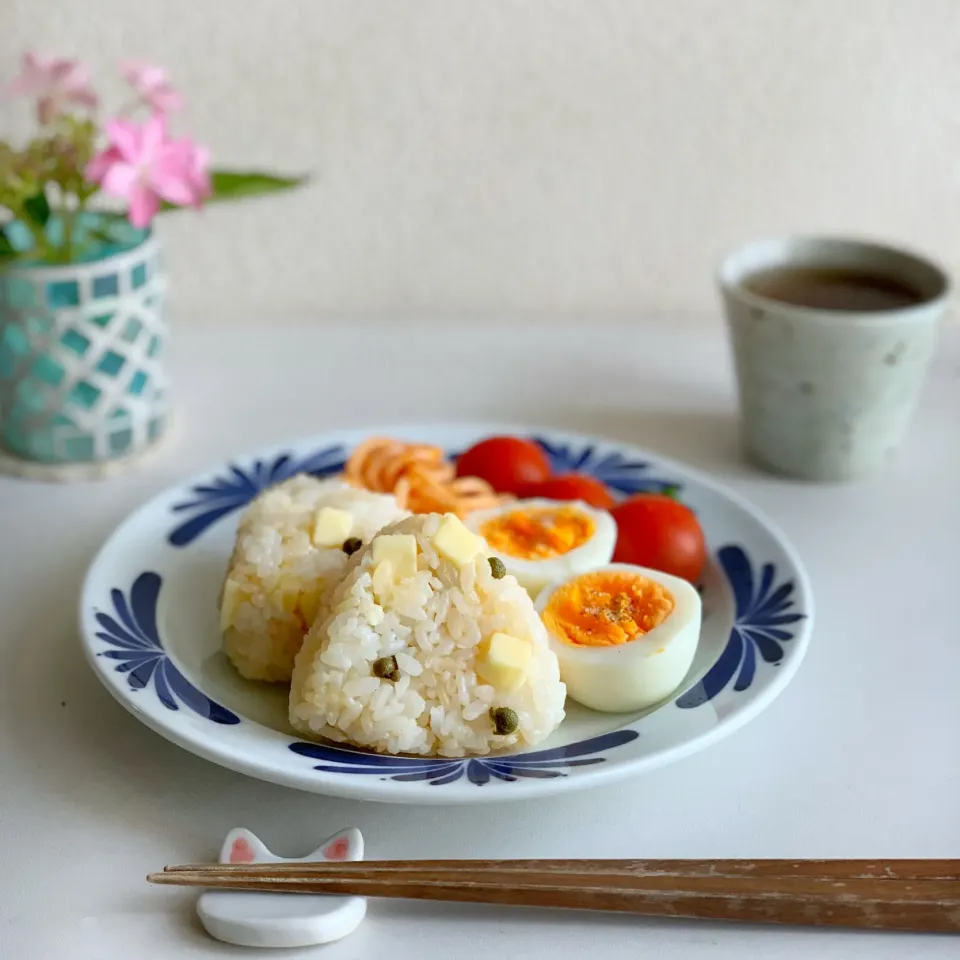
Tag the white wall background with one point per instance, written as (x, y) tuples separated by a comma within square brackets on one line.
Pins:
[(533, 157)]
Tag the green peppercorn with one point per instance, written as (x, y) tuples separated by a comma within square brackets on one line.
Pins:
[(497, 570), (504, 720), (351, 545), (386, 668)]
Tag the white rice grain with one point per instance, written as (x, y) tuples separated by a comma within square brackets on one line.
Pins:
[(277, 580), (433, 625)]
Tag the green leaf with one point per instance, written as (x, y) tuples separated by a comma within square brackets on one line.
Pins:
[(38, 209), (233, 184), (7, 249), (101, 236), (237, 185)]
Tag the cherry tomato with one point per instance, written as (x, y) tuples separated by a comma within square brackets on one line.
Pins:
[(656, 531), (506, 463), (572, 486)]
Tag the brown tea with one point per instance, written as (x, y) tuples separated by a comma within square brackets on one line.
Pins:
[(833, 288)]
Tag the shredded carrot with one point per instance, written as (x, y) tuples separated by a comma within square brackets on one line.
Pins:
[(419, 476)]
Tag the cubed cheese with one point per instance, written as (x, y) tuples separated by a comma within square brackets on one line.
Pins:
[(502, 661), (455, 542), (228, 603), (400, 549), (381, 581), (331, 527)]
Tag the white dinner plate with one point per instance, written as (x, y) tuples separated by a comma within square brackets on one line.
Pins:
[(149, 627)]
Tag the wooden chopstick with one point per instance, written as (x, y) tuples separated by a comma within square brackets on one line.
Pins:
[(917, 895), (920, 869)]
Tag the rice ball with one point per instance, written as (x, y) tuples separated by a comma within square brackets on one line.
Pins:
[(290, 547), (428, 649)]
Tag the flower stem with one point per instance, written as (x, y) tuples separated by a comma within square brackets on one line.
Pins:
[(40, 245), (68, 221)]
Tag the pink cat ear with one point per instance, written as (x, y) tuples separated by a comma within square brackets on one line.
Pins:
[(242, 852), (338, 849), (241, 846), (346, 845)]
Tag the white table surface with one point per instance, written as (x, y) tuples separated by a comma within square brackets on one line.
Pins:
[(860, 757)]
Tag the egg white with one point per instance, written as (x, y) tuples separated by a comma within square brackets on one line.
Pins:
[(535, 574), (642, 672)]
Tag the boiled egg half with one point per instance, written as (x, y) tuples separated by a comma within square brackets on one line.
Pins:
[(541, 541), (625, 636)]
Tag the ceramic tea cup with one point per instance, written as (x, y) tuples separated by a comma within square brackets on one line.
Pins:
[(832, 339)]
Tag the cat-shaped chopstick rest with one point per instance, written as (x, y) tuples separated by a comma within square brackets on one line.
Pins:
[(253, 919)]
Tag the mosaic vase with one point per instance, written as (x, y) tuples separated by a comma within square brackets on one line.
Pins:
[(82, 375)]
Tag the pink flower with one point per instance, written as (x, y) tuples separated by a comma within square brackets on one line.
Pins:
[(199, 173), (144, 167), (55, 82), (152, 85)]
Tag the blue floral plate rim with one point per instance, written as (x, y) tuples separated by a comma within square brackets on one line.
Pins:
[(754, 657)]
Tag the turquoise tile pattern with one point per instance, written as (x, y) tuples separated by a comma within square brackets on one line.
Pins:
[(82, 376)]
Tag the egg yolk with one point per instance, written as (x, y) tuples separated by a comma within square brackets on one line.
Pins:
[(538, 534), (606, 608)]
